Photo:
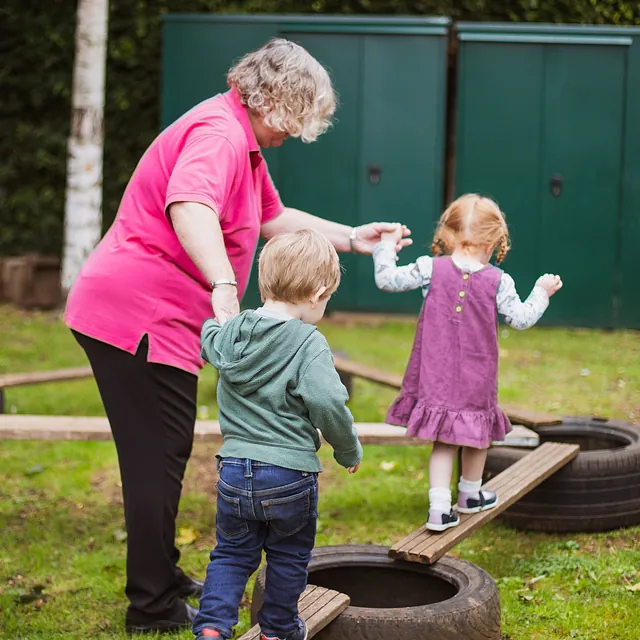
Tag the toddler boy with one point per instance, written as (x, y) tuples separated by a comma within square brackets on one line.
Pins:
[(277, 387)]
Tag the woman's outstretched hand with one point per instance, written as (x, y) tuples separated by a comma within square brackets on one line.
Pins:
[(368, 236)]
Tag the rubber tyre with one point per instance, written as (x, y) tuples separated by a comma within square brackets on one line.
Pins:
[(598, 491), (473, 613)]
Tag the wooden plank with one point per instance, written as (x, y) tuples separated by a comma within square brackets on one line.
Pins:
[(517, 415), (38, 377), (426, 547), (28, 427), (531, 418), (351, 319), (423, 545), (386, 434), (372, 374), (504, 485), (317, 607), (507, 486), (520, 437)]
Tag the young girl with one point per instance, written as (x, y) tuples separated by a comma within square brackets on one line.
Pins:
[(450, 389)]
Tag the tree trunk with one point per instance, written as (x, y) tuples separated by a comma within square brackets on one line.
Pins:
[(83, 207)]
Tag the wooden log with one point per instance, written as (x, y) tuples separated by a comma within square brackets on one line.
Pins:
[(317, 607), (38, 377), (518, 416), (424, 546), (27, 427)]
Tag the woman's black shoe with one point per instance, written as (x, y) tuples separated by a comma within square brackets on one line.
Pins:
[(191, 588), (162, 625)]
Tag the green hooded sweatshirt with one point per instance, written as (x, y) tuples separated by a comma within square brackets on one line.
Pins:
[(277, 386)]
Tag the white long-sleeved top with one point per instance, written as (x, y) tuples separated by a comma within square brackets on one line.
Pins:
[(417, 275)]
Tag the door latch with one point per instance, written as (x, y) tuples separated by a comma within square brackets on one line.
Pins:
[(556, 183), (375, 173)]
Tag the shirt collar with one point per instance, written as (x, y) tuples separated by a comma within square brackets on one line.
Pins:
[(274, 315), (240, 112)]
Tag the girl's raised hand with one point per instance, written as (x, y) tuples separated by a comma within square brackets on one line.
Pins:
[(550, 283), (394, 236)]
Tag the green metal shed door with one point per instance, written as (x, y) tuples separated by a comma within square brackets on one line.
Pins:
[(581, 174), (319, 177), (540, 128), (400, 173), (383, 158)]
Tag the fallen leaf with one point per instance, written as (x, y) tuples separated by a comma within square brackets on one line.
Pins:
[(187, 537), (34, 471), (120, 535), (635, 587)]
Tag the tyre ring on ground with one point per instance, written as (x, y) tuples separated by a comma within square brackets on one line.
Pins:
[(450, 600), (598, 491)]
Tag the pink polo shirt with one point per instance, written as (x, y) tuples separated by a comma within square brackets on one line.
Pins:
[(139, 280)]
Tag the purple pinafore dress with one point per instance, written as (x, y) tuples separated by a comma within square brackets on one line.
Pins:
[(450, 389)]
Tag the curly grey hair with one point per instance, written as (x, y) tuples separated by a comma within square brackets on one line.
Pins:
[(285, 84)]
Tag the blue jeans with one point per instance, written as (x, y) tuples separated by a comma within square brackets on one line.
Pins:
[(260, 506)]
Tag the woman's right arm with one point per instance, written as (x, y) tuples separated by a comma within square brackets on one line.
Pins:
[(199, 188), (198, 230), (390, 277)]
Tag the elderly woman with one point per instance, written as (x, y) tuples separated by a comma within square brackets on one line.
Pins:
[(185, 238)]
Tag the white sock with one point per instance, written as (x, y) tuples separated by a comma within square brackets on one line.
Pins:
[(472, 489), (440, 499)]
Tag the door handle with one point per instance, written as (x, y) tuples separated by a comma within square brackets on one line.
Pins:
[(375, 173), (556, 183)]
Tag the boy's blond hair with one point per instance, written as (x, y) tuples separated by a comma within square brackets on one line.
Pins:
[(294, 266), (472, 221)]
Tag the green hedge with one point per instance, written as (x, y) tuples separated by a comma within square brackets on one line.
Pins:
[(37, 48)]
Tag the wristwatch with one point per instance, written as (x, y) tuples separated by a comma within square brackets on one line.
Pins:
[(352, 239)]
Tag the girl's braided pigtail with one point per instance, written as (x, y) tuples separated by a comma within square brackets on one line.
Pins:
[(503, 249)]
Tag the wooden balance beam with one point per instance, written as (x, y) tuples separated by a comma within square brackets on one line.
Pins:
[(27, 427), (525, 417), (9, 380), (317, 607), (426, 547)]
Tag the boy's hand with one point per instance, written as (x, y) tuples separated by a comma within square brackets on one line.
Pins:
[(550, 283), (353, 470), (394, 236)]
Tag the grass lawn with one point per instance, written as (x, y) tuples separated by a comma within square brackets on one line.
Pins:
[(61, 524)]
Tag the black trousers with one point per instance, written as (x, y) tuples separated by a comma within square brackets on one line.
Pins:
[(151, 410)]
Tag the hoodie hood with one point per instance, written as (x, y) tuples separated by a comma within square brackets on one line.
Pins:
[(250, 349)]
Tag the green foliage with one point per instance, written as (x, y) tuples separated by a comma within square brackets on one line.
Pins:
[(37, 48)]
